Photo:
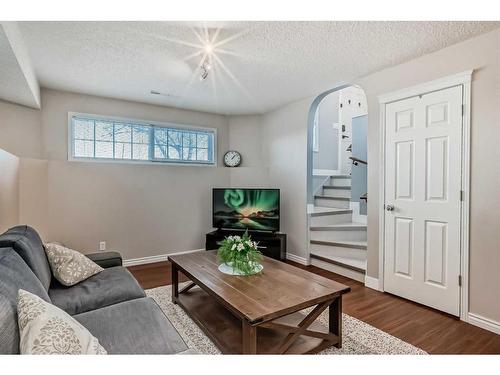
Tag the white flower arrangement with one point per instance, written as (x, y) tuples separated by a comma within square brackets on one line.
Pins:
[(241, 253)]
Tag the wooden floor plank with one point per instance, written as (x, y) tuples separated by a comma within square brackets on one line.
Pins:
[(426, 328)]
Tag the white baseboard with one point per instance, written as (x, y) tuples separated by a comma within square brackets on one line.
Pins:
[(485, 323), (325, 172), (297, 259), (155, 258), (372, 283)]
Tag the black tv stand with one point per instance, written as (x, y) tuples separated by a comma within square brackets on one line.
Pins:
[(271, 244)]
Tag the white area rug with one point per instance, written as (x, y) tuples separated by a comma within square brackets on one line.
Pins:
[(358, 337)]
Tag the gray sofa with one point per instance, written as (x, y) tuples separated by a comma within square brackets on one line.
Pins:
[(111, 304)]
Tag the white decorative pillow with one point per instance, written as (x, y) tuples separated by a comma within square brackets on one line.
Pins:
[(46, 329), (69, 266)]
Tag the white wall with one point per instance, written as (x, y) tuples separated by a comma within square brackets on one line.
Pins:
[(140, 210), (74, 189), (9, 190), (327, 156), (285, 130), (33, 194), (57, 104), (19, 81), (20, 130), (285, 135), (246, 136), (482, 54), (353, 101), (274, 152)]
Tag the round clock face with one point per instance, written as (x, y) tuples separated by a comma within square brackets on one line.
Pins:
[(232, 159)]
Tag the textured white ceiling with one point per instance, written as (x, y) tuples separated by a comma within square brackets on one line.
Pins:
[(265, 64)]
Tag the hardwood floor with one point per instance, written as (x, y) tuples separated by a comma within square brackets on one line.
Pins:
[(426, 328)]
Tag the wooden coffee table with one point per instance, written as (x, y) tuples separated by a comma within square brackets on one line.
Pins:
[(260, 313)]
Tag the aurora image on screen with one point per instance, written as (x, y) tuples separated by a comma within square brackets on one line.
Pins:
[(253, 209)]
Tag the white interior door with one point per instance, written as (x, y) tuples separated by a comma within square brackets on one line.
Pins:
[(422, 198)]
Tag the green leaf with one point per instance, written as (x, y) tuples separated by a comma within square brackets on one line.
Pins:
[(243, 260)]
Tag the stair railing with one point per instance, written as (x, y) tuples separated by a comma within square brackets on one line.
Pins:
[(356, 161)]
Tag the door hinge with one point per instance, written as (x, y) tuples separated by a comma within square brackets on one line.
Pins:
[(459, 280), (463, 109), (462, 195)]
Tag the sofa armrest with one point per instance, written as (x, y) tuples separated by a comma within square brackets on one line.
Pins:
[(106, 259)]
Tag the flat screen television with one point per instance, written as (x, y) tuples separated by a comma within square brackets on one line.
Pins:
[(252, 209)]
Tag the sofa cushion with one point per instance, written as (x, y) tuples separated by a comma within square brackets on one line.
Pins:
[(27, 243), (112, 285), (133, 327), (14, 275), (69, 266), (46, 329)]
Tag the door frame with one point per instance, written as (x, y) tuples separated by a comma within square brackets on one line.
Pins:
[(461, 79)]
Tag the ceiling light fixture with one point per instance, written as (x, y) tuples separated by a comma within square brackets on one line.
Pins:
[(209, 48), (205, 67)]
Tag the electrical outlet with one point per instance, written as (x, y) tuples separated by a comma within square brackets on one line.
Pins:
[(102, 246)]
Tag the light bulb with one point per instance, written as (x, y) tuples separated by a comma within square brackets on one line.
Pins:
[(209, 48)]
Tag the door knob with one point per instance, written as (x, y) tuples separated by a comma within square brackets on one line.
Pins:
[(389, 207)]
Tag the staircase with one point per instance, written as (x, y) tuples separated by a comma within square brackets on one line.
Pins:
[(337, 243)]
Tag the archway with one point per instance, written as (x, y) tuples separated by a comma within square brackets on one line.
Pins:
[(337, 181)]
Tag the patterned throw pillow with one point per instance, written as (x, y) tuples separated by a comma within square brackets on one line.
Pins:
[(46, 329), (69, 266)]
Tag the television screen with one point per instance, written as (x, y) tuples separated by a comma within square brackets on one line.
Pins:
[(253, 209)]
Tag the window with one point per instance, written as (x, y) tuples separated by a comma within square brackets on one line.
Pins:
[(120, 140)]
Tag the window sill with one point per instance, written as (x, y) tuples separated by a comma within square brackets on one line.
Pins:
[(140, 162)]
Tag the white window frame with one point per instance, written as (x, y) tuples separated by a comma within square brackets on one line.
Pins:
[(151, 161)]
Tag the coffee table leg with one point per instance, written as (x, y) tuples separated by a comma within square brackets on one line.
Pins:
[(249, 336), (335, 319), (175, 283)]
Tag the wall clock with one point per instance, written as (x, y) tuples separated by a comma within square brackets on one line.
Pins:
[(232, 159)]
